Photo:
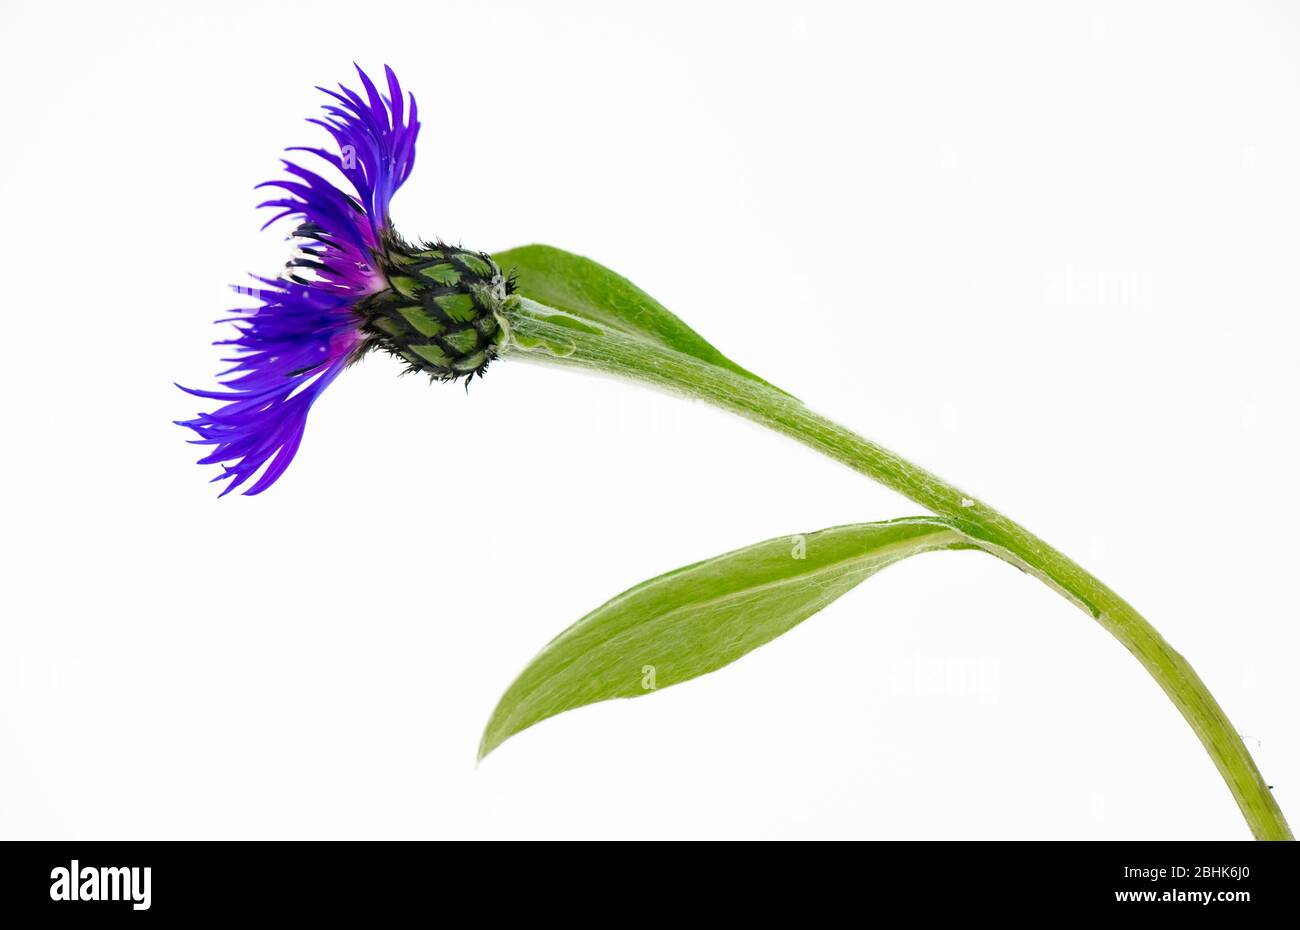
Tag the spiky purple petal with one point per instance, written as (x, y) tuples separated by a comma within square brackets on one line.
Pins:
[(305, 331)]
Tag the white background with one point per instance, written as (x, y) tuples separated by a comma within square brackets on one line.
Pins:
[(1048, 251)]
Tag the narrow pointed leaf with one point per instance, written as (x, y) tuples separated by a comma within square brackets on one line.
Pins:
[(592, 293), (699, 618)]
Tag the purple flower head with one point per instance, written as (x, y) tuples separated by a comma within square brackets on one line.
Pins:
[(307, 328)]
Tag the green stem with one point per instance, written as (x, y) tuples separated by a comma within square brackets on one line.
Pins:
[(543, 334)]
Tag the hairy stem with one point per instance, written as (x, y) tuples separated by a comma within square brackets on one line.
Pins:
[(543, 334)]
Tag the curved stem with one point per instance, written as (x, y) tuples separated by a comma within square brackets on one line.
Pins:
[(543, 334)]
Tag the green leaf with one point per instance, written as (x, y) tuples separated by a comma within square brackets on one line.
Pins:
[(699, 618), (545, 334), (593, 293)]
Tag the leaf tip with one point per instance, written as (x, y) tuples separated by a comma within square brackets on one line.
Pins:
[(493, 736)]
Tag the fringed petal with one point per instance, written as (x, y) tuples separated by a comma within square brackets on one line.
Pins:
[(305, 331)]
